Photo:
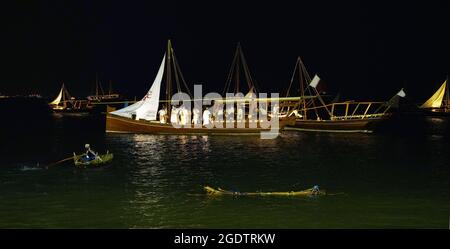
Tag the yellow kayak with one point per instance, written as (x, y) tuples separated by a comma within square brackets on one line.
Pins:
[(308, 192)]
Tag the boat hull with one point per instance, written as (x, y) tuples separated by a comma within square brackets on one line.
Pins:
[(349, 125), (221, 192), (117, 124), (436, 113), (100, 160)]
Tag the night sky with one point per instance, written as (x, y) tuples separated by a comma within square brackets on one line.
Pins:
[(363, 50)]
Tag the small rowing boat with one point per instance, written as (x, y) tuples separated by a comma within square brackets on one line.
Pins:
[(80, 161), (307, 192)]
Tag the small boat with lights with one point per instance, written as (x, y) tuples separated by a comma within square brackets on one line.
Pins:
[(65, 103)]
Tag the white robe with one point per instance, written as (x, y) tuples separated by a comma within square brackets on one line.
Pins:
[(184, 116), (196, 116), (206, 117), (162, 116), (174, 116)]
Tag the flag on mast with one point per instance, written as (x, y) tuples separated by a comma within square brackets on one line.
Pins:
[(315, 81), (401, 93)]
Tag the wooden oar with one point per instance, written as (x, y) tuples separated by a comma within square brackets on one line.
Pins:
[(60, 161)]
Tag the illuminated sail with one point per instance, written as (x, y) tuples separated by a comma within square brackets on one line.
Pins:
[(436, 100), (147, 107), (57, 100)]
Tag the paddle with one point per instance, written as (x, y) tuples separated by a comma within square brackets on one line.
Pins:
[(60, 161)]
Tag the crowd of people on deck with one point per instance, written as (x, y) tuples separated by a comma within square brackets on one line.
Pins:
[(183, 116)]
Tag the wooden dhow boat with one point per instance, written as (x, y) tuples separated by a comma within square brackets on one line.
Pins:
[(439, 103), (313, 112), (145, 116), (64, 103), (102, 96), (100, 101)]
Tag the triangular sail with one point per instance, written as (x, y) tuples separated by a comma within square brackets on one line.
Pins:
[(57, 100), (147, 108), (436, 100)]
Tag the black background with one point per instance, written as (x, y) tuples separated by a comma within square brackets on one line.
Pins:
[(365, 50)]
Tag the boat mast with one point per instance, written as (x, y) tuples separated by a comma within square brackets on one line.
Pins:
[(234, 74), (250, 83), (302, 85), (63, 90), (169, 79), (96, 85), (65, 95), (447, 96), (238, 54)]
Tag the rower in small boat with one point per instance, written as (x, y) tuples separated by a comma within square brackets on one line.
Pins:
[(90, 154), (315, 190)]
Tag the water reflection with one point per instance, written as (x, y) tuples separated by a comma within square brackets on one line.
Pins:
[(156, 181)]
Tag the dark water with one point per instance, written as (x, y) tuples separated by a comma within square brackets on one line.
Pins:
[(398, 179)]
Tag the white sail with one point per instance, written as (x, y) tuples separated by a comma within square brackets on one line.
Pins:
[(436, 100), (147, 107), (57, 100)]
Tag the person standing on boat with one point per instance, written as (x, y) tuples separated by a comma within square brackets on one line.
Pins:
[(276, 110), (183, 112), (230, 113), (174, 116), (206, 117), (196, 116), (162, 116)]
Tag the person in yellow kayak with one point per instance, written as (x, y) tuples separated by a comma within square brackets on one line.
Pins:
[(315, 190)]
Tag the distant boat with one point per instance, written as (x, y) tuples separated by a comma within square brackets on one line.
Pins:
[(101, 96), (314, 113), (439, 103), (101, 99), (64, 103), (141, 117)]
